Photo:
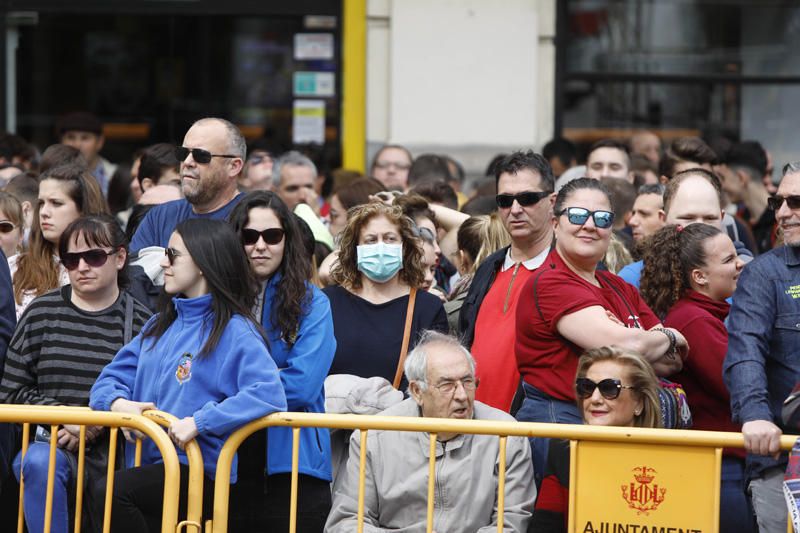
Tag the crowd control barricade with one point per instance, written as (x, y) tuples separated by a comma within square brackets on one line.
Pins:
[(621, 479), (28, 415)]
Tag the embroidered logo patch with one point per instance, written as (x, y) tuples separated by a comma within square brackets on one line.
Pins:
[(184, 371), (793, 291)]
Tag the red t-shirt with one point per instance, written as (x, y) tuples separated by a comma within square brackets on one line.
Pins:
[(493, 347), (547, 360)]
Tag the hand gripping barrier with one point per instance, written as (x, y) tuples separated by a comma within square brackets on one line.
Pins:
[(194, 513), (83, 416), (651, 440)]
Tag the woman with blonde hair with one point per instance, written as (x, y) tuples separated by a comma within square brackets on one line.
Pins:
[(378, 273), (613, 387), (478, 237), (66, 193)]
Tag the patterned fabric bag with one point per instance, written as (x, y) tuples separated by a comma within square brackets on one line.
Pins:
[(675, 413)]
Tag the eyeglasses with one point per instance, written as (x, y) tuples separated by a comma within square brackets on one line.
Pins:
[(94, 258), (7, 227), (579, 216), (523, 198), (609, 388), (198, 154), (448, 388), (171, 254), (775, 202), (383, 165), (270, 236)]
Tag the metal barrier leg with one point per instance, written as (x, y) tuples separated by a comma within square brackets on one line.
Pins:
[(431, 481), (51, 479), (501, 486), (112, 458), (26, 435), (79, 484), (295, 466), (362, 473)]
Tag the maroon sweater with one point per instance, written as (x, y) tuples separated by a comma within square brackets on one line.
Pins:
[(701, 320)]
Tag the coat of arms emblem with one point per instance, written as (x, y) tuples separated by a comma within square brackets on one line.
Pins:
[(642, 494)]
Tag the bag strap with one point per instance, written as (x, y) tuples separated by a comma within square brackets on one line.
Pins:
[(398, 375), (128, 319)]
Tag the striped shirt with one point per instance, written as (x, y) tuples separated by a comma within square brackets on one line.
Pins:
[(58, 350)]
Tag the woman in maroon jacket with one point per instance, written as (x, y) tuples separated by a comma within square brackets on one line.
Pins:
[(689, 274)]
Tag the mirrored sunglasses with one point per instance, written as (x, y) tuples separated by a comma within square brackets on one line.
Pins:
[(579, 216)]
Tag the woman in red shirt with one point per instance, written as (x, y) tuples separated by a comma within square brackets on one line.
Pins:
[(689, 273), (569, 306)]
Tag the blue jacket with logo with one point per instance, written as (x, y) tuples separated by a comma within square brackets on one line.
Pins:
[(234, 384), (303, 368), (762, 364)]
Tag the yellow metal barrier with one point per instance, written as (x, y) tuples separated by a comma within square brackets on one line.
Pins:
[(194, 513), (686, 439), (55, 416)]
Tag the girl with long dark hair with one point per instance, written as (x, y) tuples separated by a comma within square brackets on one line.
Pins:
[(296, 317), (202, 358)]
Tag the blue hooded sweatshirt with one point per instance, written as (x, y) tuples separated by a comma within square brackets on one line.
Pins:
[(234, 384), (303, 368)]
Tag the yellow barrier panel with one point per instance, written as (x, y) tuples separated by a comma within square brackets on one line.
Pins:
[(81, 416), (591, 438), (194, 512)]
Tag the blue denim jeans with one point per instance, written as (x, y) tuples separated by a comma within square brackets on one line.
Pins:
[(735, 511), (539, 407), (35, 470)]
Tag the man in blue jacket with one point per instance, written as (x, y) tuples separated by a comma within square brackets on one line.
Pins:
[(762, 364)]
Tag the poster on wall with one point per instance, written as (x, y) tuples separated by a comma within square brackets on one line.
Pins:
[(313, 46), (314, 84), (308, 122)]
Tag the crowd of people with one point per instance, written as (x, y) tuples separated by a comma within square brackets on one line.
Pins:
[(649, 284)]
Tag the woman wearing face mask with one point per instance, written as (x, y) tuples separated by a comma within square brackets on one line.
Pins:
[(689, 273), (296, 317), (613, 387), (380, 262), (66, 192)]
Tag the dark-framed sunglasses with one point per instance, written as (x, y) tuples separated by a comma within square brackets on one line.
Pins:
[(94, 258), (171, 254), (609, 388), (775, 202), (271, 236), (579, 216), (7, 227), (198, 154), (524, 199)]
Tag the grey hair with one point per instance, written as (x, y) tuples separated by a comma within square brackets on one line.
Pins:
[(293, 158), (236, 144), (416, 365), (791, 168)]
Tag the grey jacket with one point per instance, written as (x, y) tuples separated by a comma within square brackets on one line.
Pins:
[(465, 497)]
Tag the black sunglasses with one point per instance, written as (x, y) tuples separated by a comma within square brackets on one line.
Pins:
[(271, 236), (775, 202), (523, 198), (6, 227), (579, 216), (94, 258), (198, 154), (171, 254), (609, 388)]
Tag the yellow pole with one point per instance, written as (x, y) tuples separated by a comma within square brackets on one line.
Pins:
[(295, 466), (79, 486), (501, 486), (26, 435), (354, 84), (362, 474), (431, 481), (51, 479), (112, 458), (573, 482)]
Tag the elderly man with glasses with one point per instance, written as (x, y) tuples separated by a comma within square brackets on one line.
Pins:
[(442, 383)]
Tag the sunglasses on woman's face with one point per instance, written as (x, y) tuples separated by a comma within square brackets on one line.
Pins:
[(171, 254), (94, 258), (271, 236), (609, 388), (579, 216), (7, 227)]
